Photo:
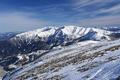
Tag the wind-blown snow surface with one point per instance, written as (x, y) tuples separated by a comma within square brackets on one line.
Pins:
[(88, 60)]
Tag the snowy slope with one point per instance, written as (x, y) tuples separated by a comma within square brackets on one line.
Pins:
[(89, 60)]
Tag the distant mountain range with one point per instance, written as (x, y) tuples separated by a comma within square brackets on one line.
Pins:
[(49, 37), (6, 36)]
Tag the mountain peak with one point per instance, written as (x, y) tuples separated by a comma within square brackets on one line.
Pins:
[(63, 34)]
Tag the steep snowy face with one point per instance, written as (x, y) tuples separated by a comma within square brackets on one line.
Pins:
[(63, 34), (41, 33), (91, 33)]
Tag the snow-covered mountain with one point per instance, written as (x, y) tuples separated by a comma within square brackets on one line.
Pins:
[(48, 51), (55, 36), (63, 34), (49, 37)]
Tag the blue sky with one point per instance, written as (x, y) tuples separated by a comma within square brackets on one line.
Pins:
[(22, 15)]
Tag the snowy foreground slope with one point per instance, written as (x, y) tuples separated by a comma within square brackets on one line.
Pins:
[(88, 60), (62, 53)]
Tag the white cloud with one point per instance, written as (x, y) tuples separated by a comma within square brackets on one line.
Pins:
[(77, 4), (106, 20), (18, 22), (114, 9)]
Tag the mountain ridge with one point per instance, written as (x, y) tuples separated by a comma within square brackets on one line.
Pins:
[(67, 32)]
